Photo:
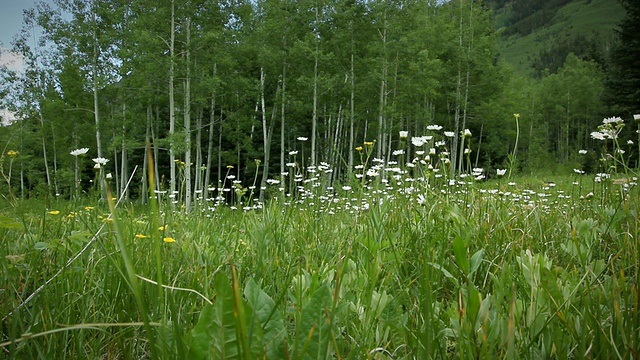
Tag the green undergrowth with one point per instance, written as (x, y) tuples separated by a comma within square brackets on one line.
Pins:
[(473, 271)]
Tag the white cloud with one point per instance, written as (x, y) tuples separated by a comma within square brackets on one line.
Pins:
[(11, 60), (6, 117), (14, 62)]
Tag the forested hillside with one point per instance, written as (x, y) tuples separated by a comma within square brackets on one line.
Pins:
[(537, 36), (266, 90)]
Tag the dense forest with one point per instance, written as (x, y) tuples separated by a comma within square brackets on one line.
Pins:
[(263, 90)]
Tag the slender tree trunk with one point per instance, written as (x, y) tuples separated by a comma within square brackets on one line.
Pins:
[(454, 147), (212, 118), (145, 161), (352, 113), (465, 104), (464, 123), (172, 110), (282, 123), (55, 162), (22, 188), (219, 183), (337, 141), (456, 126), (267, 131), (96, 107), (94, 70), (383, 89), (197, 186), (381, 117), (156, 151), (187, 123), (479, 145), (116, 163), (314, 115), (123, 156)]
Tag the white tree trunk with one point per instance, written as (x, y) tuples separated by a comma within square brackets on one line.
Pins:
[(187, 124), (172, 110), (282, 123)]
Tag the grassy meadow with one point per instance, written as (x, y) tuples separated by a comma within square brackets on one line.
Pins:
[(400, 262)]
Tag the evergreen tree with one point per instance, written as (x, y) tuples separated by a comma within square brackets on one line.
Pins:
[(623, 75)]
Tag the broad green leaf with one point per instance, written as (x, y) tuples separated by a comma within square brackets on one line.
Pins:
[(225, 341), (314, 331), (40, 245), (473, 302), (460, 252), (200, 337), (80, 237), (9, 223), (379, 302), (550, 283), (214, 336), (266, 316), (476, 260)]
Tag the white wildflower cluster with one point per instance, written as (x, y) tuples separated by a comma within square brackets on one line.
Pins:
[(414, 173), (100, 162), (78, 152), (478, 173), (610, 129), (419, 141)]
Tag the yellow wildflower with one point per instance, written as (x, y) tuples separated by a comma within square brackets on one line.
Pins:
[(12, 153), (54, 212), (163, 227), (359, 148), (229, 166), (141, 236), (516, 115), (368, 143), (88, 208), (169, 239)]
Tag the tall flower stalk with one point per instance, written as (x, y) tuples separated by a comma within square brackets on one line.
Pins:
[(99, 164), (466, 138), (636, 117), (7, 177), (609, 130), (404, 135), (77, 153), (512, 156)]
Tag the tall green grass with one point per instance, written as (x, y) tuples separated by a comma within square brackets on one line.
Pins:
[(413, 268)]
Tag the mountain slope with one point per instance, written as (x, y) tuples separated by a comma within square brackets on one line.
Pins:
[(540, 39)]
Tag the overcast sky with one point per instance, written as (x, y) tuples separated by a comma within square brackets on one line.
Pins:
[(11, 18), (10, 25)]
